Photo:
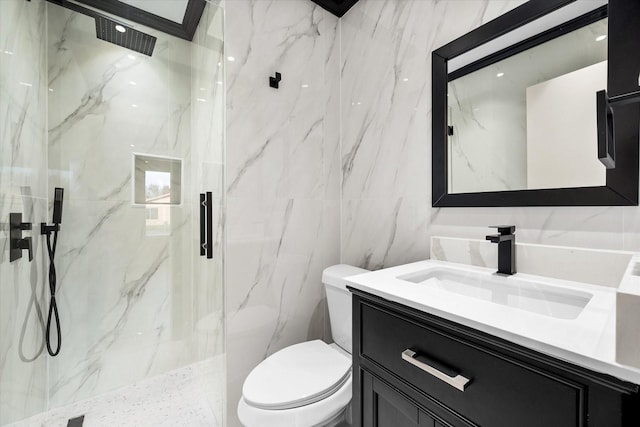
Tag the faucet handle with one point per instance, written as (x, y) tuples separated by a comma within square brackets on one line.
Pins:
[(504, 229), (26, 243)]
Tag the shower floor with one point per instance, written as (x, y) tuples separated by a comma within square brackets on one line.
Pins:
[(191, 396)]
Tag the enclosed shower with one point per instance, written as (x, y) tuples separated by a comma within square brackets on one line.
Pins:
[(127, 122)]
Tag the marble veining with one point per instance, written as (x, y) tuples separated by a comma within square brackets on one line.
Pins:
[(134, 303), (560, 262), (144, 301), (283, 170), (23, 188), (386, 122), (386, 153)]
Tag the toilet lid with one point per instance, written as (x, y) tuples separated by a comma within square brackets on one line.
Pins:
[(296, 376)]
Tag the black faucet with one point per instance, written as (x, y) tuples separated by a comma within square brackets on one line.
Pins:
[(506, 241)]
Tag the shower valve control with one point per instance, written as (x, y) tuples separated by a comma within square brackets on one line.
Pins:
[(17, 243)]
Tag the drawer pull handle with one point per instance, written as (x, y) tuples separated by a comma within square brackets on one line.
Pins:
[(458, 381)]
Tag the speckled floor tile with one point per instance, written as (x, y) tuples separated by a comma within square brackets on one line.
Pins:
[(192, 396)]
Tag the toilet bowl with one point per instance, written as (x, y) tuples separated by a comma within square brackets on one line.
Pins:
[(306, 384)]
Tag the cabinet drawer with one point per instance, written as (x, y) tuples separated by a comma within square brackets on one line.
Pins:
[(500, 393)]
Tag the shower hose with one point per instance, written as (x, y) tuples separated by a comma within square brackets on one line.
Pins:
[(53, 307)]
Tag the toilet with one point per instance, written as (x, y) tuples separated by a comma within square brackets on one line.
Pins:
[(306, 384)]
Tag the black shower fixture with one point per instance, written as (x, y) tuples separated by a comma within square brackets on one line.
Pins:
[(17, 243), (51, 233), (122, 35), (113, 31)]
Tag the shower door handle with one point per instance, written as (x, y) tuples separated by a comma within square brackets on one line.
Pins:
[(206, 224), (203, 241)]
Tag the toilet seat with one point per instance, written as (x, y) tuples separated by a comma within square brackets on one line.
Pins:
[(296, 376), (317, 407)]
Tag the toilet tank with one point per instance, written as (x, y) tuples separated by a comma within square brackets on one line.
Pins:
[(339, 301)]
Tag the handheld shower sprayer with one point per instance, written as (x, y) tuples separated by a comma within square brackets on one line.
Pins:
[(49, 230), (57, 205)]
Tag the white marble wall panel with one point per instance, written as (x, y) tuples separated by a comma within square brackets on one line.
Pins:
[(386, 122), (23, 80), (386, 142), (560, 262), (282, 178), (23, 162)]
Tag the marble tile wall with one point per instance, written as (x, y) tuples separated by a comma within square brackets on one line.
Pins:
[(23, 188), (560, 262), (130, 300), (283, 171), (387, 216)]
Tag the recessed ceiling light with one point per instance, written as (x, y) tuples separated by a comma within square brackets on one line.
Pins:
[(120, 28), (131, 56), (499, 74), (201, 100), (405, 79), (8, 52), (305, 86), (131, 145), (600, 38), (132, 83), (134, 105), (231, 58), (26, 84), (219, 82)]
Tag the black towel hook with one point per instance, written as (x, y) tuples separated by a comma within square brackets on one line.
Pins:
[(274, 82)]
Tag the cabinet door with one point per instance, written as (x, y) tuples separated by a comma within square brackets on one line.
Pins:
[(382, 406)]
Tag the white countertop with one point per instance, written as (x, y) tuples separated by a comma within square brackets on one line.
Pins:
[(589, 340)]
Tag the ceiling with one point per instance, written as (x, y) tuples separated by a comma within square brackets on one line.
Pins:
[(179, 18), (172, 10)]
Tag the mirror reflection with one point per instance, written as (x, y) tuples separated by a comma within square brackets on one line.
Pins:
[(529, 121)]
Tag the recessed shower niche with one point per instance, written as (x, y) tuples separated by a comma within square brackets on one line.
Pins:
[(157, 185), (157, 180)]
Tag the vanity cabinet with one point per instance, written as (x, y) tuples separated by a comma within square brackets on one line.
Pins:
[(389, 408), (415, 369)]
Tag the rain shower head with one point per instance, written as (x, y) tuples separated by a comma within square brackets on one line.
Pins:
[(121, 35)]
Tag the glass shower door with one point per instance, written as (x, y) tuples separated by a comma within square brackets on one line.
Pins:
[(133, 139)]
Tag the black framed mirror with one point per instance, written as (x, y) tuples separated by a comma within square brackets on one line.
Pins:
[(539, 107)]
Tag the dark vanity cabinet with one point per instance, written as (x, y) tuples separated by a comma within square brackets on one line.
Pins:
[(414, 369)]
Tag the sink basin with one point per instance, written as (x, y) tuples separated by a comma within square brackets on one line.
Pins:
[(512, 291)]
